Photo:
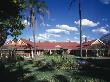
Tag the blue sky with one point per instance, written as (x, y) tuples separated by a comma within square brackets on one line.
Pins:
[(63, 23)]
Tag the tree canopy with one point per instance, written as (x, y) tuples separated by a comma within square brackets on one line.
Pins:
[(106, 38), (10, 19), (11, 16)]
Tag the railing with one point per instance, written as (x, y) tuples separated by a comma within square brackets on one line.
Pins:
[(27, 55)]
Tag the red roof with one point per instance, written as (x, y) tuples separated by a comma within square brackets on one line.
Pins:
[(46, 45), (56, 45), (86, 45), (28, 42)]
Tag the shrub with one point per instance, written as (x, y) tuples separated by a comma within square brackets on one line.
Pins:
[(39, 63), (48, 66), (66, 64), (19, 58)]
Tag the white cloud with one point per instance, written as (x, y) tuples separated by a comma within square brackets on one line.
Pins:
[(47, 25), (57, 31), (25, 22), (76, 38), (46, 36), (52, 40), (66, 27), (40, 38), (62, 29), (105, 1), (83, 36), (100, 30), (70, 40), (86, 22)]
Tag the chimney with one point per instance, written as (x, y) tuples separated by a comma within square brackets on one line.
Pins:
[(29, 39), (85, 39)]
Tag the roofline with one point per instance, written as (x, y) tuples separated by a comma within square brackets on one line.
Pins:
[(99, 41)]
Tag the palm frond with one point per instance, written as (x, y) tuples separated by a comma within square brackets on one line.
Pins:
[(33, 21), (70, 3), (42, 19), (48, 13), (36, 21)]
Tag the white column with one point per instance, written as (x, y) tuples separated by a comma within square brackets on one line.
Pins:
[(86, 52), (50, 52), (39, 53), (97, 54), (32, 53)]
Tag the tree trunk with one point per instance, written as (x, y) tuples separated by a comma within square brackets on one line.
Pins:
[(3, 36), (80, 18), (34, 53)]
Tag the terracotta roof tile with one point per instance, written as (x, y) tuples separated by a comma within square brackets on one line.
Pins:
[(46, 45), (86, 45)]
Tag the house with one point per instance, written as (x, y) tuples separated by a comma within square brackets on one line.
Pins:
[(22, 47), (25, 47), (93, 48)]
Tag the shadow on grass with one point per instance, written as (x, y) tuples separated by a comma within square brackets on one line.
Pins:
[(94, 73), (49, 66), (7, 75), (60, 78)]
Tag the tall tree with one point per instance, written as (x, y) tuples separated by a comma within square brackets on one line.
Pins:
[(80, 21), (36, 8), (106, 39), (10, 23)]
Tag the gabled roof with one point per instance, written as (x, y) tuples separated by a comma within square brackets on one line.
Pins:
[(28, 42), (96, 42), (89, 44), (20, 44), (23, 43), (56, 45)]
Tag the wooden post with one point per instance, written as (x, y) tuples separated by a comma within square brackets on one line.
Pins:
[(97, 54), (32, 55), (86, 52), (50, 52)]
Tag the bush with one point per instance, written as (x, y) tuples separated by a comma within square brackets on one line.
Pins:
[(19, 58), (66, 64), (39, 63), (48, 66)]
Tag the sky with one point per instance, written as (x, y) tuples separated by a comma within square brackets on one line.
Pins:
[(63, 22)]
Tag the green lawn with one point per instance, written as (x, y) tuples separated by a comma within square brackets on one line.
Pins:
[(51, 69), (62, 72)]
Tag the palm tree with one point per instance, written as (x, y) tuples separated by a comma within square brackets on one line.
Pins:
[(80, 18), (80, 22), (35, 8)]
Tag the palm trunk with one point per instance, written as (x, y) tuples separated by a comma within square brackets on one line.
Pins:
[(33, 31), (3, 36), (80, 18), (34, 42)]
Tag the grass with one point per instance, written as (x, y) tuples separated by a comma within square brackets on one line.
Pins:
[(51, 69), (59, 74)]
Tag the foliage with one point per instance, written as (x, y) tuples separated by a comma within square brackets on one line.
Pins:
[(28, 73), (39, 63), (10, 19), (106, 38), (19, 58), (60, 78), (46, 53), (36, 8)]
